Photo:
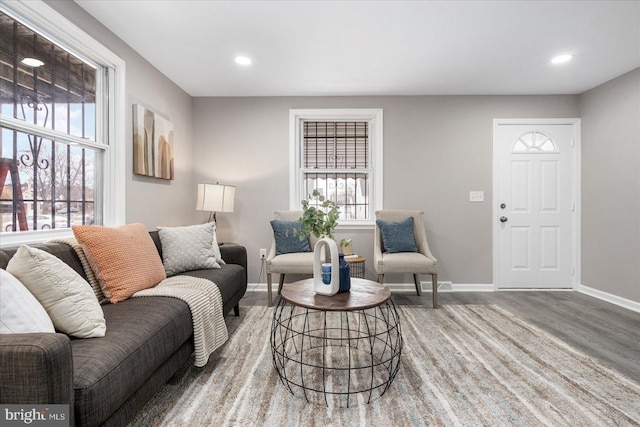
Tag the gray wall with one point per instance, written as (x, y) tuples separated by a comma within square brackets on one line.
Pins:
[(148, 200), (611, 186), (436, 149)]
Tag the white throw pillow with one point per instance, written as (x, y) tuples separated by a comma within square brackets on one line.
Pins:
[(187, 248), (20, 311), (64, 294)]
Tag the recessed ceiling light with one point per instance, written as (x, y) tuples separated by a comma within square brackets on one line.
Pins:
[(561, 59), (32, 62), (243, 60)]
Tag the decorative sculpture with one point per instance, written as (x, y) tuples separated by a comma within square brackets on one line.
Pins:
[(323, 246)]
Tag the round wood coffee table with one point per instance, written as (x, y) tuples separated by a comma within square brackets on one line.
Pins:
[(336, 350)]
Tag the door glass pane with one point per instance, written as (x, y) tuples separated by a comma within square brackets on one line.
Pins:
[(534, 142)]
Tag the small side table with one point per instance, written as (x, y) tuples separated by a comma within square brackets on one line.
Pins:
[(356, 266)]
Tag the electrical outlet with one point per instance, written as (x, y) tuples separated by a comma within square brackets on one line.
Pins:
[(263, 254)]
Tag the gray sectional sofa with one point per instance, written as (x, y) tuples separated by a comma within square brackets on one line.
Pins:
[(106, 381)]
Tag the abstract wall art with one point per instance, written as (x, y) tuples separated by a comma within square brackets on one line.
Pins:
[(152, 144)]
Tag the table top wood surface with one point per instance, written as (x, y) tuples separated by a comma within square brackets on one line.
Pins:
[(358, 258), (363, 294)]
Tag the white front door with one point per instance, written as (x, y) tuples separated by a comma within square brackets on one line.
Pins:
[(535, 212)]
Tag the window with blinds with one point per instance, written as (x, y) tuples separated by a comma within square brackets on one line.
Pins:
[(336, 160)]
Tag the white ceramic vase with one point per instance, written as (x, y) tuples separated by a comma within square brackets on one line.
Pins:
[(330, 246)]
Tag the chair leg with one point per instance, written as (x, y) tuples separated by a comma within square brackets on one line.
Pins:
[(269, 297), (416, 280), (236, 310), (281, 283), (434, 286), (380, 278)]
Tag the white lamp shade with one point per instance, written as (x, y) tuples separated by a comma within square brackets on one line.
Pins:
[(215, 197)]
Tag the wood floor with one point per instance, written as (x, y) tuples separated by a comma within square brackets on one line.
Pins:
[(602, 330)]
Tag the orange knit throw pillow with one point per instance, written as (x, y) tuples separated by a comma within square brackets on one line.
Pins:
[(124, 259)]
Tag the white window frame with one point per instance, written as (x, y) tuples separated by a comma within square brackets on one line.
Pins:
[(374, 117), (110, 185)]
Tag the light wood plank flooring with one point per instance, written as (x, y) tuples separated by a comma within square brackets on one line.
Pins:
[(602, 330)]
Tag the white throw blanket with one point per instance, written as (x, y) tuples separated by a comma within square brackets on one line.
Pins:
[(205, 303)]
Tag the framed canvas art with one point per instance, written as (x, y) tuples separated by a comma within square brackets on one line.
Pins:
[(152, 144)]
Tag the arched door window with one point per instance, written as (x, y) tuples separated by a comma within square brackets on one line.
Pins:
[(534, 142)]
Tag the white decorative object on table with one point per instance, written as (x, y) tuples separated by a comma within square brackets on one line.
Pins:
[(318, 285)]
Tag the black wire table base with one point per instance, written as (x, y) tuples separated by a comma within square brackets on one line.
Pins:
[(336, 358)]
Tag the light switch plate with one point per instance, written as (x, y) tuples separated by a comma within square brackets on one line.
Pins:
[(476, 196)]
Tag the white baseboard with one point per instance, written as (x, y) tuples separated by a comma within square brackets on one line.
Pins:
[(260, 287), (408, 288), (536, 290), (472, 287), (613, 299), (453, 287)]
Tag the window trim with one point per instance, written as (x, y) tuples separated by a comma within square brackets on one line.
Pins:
[(45, 20), (375, 118)]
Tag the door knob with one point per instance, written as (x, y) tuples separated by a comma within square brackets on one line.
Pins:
[(504, 219)]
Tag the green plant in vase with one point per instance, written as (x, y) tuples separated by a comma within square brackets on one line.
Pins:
[(320, 221), (345, 246)]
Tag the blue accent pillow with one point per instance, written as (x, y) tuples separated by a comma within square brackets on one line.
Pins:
[(397, 236), (287, 235)]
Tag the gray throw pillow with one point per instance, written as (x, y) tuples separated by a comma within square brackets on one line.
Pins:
[(187, 248), (397, 236), (287, 235)]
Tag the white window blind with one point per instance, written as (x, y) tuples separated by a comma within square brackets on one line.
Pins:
[(336, 162)]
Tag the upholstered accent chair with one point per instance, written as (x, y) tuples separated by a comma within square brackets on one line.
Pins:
[(420, 262), (289, 263)]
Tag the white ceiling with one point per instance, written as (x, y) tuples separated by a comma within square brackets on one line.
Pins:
[(379, 47)]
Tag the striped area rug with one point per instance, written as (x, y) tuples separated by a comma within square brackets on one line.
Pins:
[(461, 365)]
